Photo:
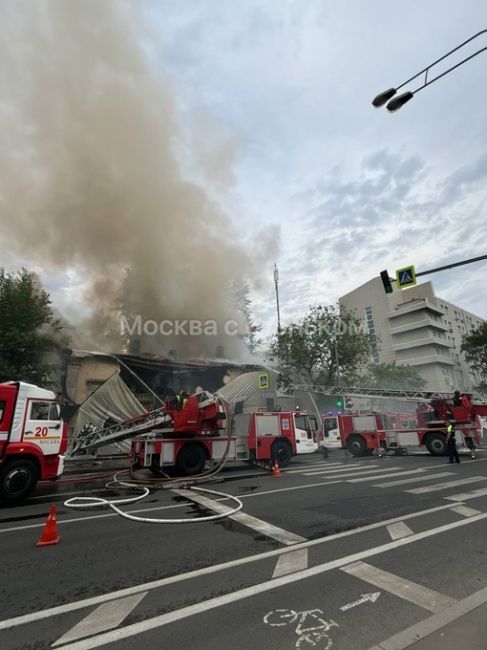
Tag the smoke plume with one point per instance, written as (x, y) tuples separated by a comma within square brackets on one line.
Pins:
[(89, 177)]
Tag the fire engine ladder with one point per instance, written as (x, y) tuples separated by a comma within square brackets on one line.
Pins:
[(117, 432), (377, 392)]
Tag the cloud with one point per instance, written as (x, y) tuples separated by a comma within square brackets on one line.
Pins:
[(389, 215)]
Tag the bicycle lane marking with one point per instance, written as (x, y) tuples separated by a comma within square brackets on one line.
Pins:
[(236, 596), (197, 573), (308, 631)]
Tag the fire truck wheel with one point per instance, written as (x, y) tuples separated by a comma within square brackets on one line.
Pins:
[(356, 445), (436, 444), (17, 480), (281, 452), (191, 460)]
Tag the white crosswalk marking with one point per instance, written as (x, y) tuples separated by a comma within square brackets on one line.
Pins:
[(350, 469), (291, 563), (320, 466), (399, 530), (466, 496), (447, 485), (349, 475), (312, 466), (393, 475), (405, 481), (105, 617), (466, 512)]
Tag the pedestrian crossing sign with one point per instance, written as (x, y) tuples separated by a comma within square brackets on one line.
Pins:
[(406, 277), (263, 379)]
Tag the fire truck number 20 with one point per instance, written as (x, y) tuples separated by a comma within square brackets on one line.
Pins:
[(41, 431)]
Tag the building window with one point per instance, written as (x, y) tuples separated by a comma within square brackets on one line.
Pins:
[(370, 325)]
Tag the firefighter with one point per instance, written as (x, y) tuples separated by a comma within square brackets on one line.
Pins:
[(181, 400), (450, 439)]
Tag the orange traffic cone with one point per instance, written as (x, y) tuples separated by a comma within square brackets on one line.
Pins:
[(276, 470), (49, 534)]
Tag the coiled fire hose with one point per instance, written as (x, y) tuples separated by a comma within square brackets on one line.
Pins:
[(79, 503)]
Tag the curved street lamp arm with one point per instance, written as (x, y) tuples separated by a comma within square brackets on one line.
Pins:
[(425, 70), (427, 83)]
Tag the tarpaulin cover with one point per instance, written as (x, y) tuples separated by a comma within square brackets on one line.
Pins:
[(112, 400)]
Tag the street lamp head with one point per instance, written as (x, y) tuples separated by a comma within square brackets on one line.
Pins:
[(384, 97), (396, 103)]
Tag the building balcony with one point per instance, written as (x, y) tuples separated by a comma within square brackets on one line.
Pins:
[(417, 343), (427, 359), (414, 306), (418, 324)]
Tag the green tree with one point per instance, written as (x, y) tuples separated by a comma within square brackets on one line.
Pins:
[(328, 345), (27, 327), (474, 346), (393, 376)]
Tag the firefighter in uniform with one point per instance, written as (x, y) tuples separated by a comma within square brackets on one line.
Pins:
[(450, 439)]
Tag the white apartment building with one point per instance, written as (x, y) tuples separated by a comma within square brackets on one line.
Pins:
[(414, 327)]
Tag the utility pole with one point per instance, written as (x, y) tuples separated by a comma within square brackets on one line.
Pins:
[(276, 282), (337, 361)]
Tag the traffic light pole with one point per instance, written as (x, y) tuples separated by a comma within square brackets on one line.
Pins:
[(451, 266), (386, 280)]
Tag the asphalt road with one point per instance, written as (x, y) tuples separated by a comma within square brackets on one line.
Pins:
[(343, 553)]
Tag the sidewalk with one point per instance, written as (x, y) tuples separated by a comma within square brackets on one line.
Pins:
[(468, 630), (462, 624)]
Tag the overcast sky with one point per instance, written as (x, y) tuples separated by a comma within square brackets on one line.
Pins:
[(346, 189), (353, 190)]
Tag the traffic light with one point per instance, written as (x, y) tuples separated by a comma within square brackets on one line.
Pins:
[(339, 402), (384, 276)]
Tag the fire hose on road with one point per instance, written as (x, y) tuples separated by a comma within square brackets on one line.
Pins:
[(80, 503)]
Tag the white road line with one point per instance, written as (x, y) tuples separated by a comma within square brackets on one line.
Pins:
[(413, 635), (394, 474), (279, 534), (248, 592), (411, 591), (190, 575), (465, 511), (396, 531), (466, 496), (447, 485), (351, 470), (105, 617), (355, 470), (310, 466), (376, 472), (291, 562), (158, 508), (405, 481), (137, 511)]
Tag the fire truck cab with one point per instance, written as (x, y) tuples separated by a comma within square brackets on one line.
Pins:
[(33, 439), (360, 434)]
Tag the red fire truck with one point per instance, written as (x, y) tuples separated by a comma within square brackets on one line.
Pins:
[(188, 442), (363, 433), (33, 439)]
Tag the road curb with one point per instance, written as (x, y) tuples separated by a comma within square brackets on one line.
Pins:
[(411, 635)]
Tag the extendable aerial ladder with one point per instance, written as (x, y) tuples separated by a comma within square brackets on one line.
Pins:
[(116, 432), (373, 392)]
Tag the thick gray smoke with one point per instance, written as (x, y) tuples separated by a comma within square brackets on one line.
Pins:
[(89, 177)]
